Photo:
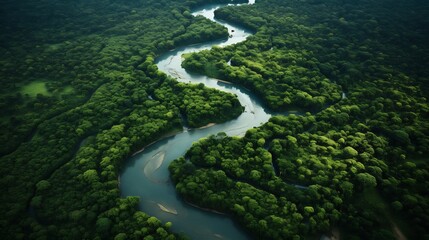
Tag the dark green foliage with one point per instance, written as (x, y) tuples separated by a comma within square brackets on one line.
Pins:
[(77, 51), (78, 97), (357, 164)]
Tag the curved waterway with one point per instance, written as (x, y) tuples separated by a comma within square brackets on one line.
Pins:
[(146, 174)]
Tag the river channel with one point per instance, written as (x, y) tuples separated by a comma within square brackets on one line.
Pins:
[(146, 174)]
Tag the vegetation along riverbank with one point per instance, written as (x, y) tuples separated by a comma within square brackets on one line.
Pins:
[(81, 93)]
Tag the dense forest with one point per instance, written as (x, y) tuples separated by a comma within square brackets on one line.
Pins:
[(81, 93), (355, 165)]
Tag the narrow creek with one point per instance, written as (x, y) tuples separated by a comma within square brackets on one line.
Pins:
[(146, 174)]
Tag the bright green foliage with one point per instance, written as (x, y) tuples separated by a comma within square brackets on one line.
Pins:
[(350, 152), (200, 105), (329, 165), (367, 180)]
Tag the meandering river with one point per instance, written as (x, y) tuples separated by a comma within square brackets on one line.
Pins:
[(146, 174)]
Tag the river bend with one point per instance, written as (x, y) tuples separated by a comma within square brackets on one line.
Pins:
[(146, 174)]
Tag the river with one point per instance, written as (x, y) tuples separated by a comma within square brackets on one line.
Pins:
[(146, 174)]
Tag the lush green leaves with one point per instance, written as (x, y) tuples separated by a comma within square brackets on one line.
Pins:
[(78, 97), (369, 142)]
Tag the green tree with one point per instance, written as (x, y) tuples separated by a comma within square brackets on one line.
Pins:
[(366, 180)]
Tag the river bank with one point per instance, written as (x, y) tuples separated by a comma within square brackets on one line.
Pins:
[(192, 220)]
